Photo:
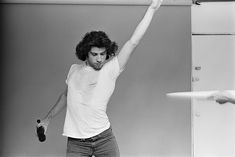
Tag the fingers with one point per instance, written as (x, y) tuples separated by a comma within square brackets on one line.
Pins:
[(221, 102), (218, 97), (44, 124)]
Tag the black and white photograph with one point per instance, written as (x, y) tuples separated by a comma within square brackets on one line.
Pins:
[(117, 78)]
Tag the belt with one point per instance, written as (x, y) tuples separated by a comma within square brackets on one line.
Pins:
[(92, 139)]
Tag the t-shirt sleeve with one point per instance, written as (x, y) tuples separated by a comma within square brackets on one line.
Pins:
[(113, 68), (71, 70)]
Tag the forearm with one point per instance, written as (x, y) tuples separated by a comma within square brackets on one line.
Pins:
[(142, 26), (59, 105), (139, 32)]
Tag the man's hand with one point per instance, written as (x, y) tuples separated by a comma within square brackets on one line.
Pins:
[(156, 4), (221, 97), (44, 123)]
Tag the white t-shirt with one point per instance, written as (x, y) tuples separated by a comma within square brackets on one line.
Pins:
[(88, 94)]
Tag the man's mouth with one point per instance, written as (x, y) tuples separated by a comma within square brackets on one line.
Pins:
[(98, 66)]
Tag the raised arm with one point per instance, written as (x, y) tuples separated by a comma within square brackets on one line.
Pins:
[(139, 32), (59, 105)]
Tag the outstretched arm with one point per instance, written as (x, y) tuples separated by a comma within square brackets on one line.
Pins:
[(139, 32)]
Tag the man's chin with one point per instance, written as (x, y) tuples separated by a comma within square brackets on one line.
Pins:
[(97, 67)]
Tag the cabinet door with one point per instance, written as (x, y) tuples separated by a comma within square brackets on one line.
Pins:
[(214, 17), (213, 59)]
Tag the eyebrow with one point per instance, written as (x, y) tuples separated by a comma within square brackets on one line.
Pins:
[(103, 52), (97, 53)]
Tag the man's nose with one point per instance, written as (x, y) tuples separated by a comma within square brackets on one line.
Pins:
[(98, 59)]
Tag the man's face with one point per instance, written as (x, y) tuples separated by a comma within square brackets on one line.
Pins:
[(96, 57)]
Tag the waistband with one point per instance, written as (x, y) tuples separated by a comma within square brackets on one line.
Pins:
[(94, 138)]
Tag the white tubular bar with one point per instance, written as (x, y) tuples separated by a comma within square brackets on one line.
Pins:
[(97, 2)]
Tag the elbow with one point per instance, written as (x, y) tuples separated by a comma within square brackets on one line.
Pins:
[(64, 95), (133, 43), (63, 99), (65, 92)]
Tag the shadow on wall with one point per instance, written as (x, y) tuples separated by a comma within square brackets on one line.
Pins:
[(2, 81)]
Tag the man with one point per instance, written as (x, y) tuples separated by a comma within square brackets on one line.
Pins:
[(89, 88)]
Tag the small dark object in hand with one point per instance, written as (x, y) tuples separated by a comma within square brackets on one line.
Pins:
[(41, 133)]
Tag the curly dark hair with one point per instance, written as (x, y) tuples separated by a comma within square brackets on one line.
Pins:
[(95, 39)]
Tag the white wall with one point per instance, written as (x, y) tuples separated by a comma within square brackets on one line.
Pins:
[(213, 49), (213, 17)]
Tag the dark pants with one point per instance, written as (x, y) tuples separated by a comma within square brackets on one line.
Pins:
[(102, 145)]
